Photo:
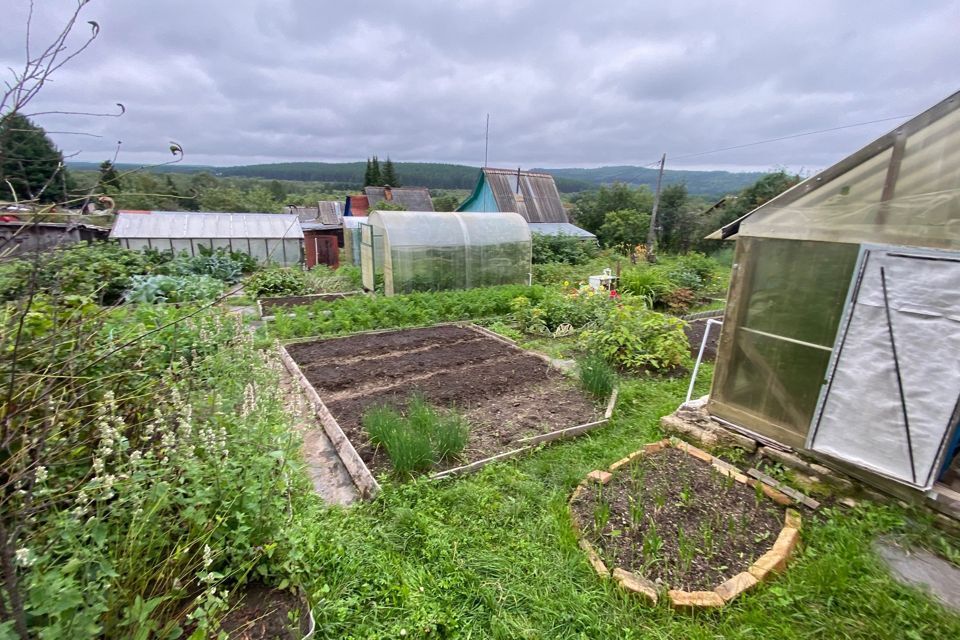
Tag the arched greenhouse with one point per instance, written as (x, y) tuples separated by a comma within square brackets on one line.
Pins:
[(434, 251)]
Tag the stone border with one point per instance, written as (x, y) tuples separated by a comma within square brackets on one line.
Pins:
[(766, 566)]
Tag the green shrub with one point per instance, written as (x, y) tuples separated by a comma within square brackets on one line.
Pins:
[(277, 281), (578, 309), (99, 270), (417, 440), (645, 282), (638, 340), (505, 330), (323, 279), (596, 375), (563, 249)]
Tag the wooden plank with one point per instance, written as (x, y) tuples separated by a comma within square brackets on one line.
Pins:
[(563, 433), (611, 403), (476, 466), (779, 486), (358, 471)]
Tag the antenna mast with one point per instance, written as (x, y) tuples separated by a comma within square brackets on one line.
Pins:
[(486, 142)]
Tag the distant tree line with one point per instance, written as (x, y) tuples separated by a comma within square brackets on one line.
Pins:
[(619, 214)]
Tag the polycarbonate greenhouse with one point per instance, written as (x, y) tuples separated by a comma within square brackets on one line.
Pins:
[(434, 251), (267, 237), (841, 334)]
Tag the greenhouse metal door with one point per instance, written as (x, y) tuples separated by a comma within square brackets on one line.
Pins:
[(893, 385)]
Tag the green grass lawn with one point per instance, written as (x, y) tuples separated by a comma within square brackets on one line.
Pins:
[(493, 555)]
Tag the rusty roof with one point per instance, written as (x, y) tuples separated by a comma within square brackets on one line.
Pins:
[(412, 198)]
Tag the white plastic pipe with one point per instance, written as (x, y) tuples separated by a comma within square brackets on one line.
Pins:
[(703, 346)]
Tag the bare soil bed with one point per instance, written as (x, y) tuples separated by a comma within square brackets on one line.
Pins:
[(675, 520), (505, 393), (695, 330), (262, 613)]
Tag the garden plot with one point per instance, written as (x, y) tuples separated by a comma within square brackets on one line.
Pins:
[(508, 396)]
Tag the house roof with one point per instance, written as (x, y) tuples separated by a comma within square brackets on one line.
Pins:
[(532, 194), (411, 198), (559, 229), (180, 224), (327, 212), (911, 173)]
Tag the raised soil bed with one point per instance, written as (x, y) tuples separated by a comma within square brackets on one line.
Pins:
[(676, 519), (509, 396), (270, 306)]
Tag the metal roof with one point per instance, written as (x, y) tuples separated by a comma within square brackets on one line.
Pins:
[(413, 198), (327, 212), (180, 224), (559, 229), (533, 195)]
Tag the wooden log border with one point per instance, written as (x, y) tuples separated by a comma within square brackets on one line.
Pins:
[(355, 466)]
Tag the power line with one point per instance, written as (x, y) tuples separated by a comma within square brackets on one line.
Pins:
[(778, 139)]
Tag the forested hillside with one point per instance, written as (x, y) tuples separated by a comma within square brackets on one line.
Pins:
[(348, 175)]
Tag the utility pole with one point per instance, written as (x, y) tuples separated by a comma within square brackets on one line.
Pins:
[(486, 142), (652, 233)]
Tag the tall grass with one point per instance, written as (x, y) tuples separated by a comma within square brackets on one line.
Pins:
[(420, 438), (597, 376)]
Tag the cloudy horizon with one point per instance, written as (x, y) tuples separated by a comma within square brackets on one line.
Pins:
[(245, 82)]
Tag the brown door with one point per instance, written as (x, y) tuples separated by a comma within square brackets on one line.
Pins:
[(327, 251)]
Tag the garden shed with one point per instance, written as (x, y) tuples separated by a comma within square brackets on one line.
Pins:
[(841, 334), (434, 251), (267, 237)]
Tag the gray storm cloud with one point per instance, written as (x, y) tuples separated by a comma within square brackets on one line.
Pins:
[(566, 84)]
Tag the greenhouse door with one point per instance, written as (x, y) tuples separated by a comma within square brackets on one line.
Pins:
[(367, 258), (893, 385)]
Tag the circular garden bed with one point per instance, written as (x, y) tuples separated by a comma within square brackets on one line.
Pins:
[(672, 518)]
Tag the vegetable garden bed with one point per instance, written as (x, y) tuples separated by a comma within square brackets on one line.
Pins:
[(511, 398), (268, 307), (673, 517)]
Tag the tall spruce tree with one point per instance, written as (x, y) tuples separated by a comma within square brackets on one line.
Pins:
[(110, 180), (30, 163), (375, 177), (389, 174), (368, 174)]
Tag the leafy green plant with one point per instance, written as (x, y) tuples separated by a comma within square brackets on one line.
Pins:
[(638, 340), (447, 431), (577, 309), (277, 281), (596, 375), (601, 516), (417, 439), (363, 313), (652, 543), (409, 449), (161, 288)]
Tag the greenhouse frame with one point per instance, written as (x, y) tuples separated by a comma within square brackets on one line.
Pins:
[(266, 237), (841, 335), (436, 251)]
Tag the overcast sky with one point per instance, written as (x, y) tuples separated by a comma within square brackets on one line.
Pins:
[(566, 83)]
